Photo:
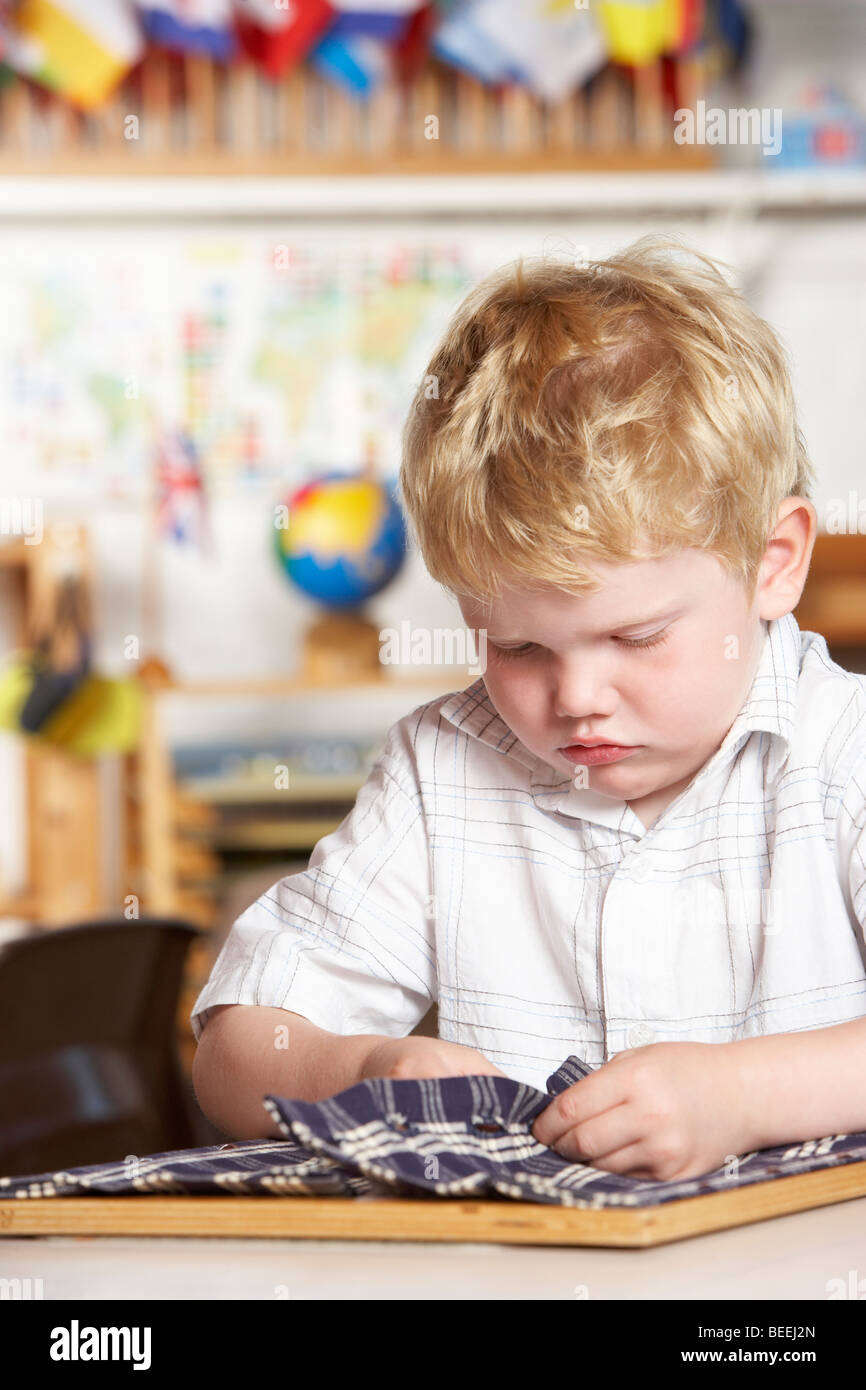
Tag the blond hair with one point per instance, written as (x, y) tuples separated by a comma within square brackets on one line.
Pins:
[(602, 411)]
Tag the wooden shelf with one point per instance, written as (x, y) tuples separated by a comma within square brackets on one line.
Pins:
[(536, 192), (304, 787), (299, 834), (174, 812), (64, 801), (193, 166), (24, 905), (435, 677)]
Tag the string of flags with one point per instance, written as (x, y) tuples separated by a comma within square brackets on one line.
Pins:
[(82, 49)]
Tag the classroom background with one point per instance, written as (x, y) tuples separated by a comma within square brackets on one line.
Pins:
[(230, 238)]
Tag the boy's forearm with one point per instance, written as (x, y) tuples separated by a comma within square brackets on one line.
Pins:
[(798, 1086), (248, 1052)]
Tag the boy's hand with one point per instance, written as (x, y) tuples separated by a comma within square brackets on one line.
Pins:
[(411, 1058), (666, 1111)]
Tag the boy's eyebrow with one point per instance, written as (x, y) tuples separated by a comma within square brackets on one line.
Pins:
[(668, 612)]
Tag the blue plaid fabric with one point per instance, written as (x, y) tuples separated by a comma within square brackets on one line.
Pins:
[(453, 1136)]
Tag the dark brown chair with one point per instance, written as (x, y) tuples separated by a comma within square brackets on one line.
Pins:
[(89, 1069)]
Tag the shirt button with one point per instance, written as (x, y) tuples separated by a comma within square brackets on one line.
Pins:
[(639, 872), (640, 1035)]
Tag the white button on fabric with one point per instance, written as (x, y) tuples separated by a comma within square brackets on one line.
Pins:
[(640, 1035), (639, 872)]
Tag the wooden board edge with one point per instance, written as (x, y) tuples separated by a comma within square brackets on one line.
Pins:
[(428, 1219)]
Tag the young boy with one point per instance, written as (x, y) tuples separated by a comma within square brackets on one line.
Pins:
[(640, 836)]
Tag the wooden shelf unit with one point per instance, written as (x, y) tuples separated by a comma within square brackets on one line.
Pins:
[(176, 825), (194, 116), (63, 794), (834, 598)]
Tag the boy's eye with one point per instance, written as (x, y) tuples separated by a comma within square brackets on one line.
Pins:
[(652, 641), (514, 651), (645, 641)]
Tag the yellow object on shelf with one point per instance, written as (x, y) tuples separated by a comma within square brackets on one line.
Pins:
[(101, 716)]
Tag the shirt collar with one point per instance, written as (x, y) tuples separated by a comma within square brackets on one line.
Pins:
[(768, 708)]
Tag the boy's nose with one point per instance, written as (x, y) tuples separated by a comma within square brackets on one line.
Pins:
[(583, 690)]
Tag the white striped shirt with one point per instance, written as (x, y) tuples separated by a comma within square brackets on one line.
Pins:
[(546, 920)]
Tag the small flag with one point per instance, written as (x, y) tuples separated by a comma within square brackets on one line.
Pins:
[(358, 63), (411, 50), (181, 503), (690, 25), (81, 49), (276, 38), (378, 19), (191, 26), (461, 42), (638, 31), (270, 14), (735, 27), (554, 48)]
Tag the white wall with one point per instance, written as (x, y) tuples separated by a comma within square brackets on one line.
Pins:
[(235, 616)]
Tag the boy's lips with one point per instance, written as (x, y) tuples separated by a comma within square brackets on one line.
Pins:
[(596, 743), (590, 754)]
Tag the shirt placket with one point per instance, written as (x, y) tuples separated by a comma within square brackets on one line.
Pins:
[(629, 953), (623, 955)]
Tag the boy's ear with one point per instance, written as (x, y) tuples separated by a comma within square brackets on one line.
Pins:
[(785, 565)]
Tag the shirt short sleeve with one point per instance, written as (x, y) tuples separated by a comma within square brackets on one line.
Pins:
[(349, 942), (851, 845)]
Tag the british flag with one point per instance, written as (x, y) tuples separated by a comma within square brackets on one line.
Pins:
[(181, 499)]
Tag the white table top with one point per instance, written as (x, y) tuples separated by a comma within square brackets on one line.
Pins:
[(788, 1257)]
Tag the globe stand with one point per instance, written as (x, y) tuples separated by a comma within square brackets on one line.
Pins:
[(341, 646)]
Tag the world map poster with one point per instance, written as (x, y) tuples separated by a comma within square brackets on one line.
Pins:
[(279, 356)]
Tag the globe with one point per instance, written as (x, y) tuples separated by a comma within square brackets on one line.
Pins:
[(342, 540)]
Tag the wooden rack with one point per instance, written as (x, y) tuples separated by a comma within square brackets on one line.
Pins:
[(63, 796), (194, 116), (176, 833)]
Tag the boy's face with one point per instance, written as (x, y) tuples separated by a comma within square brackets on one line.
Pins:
[(560, 671)]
